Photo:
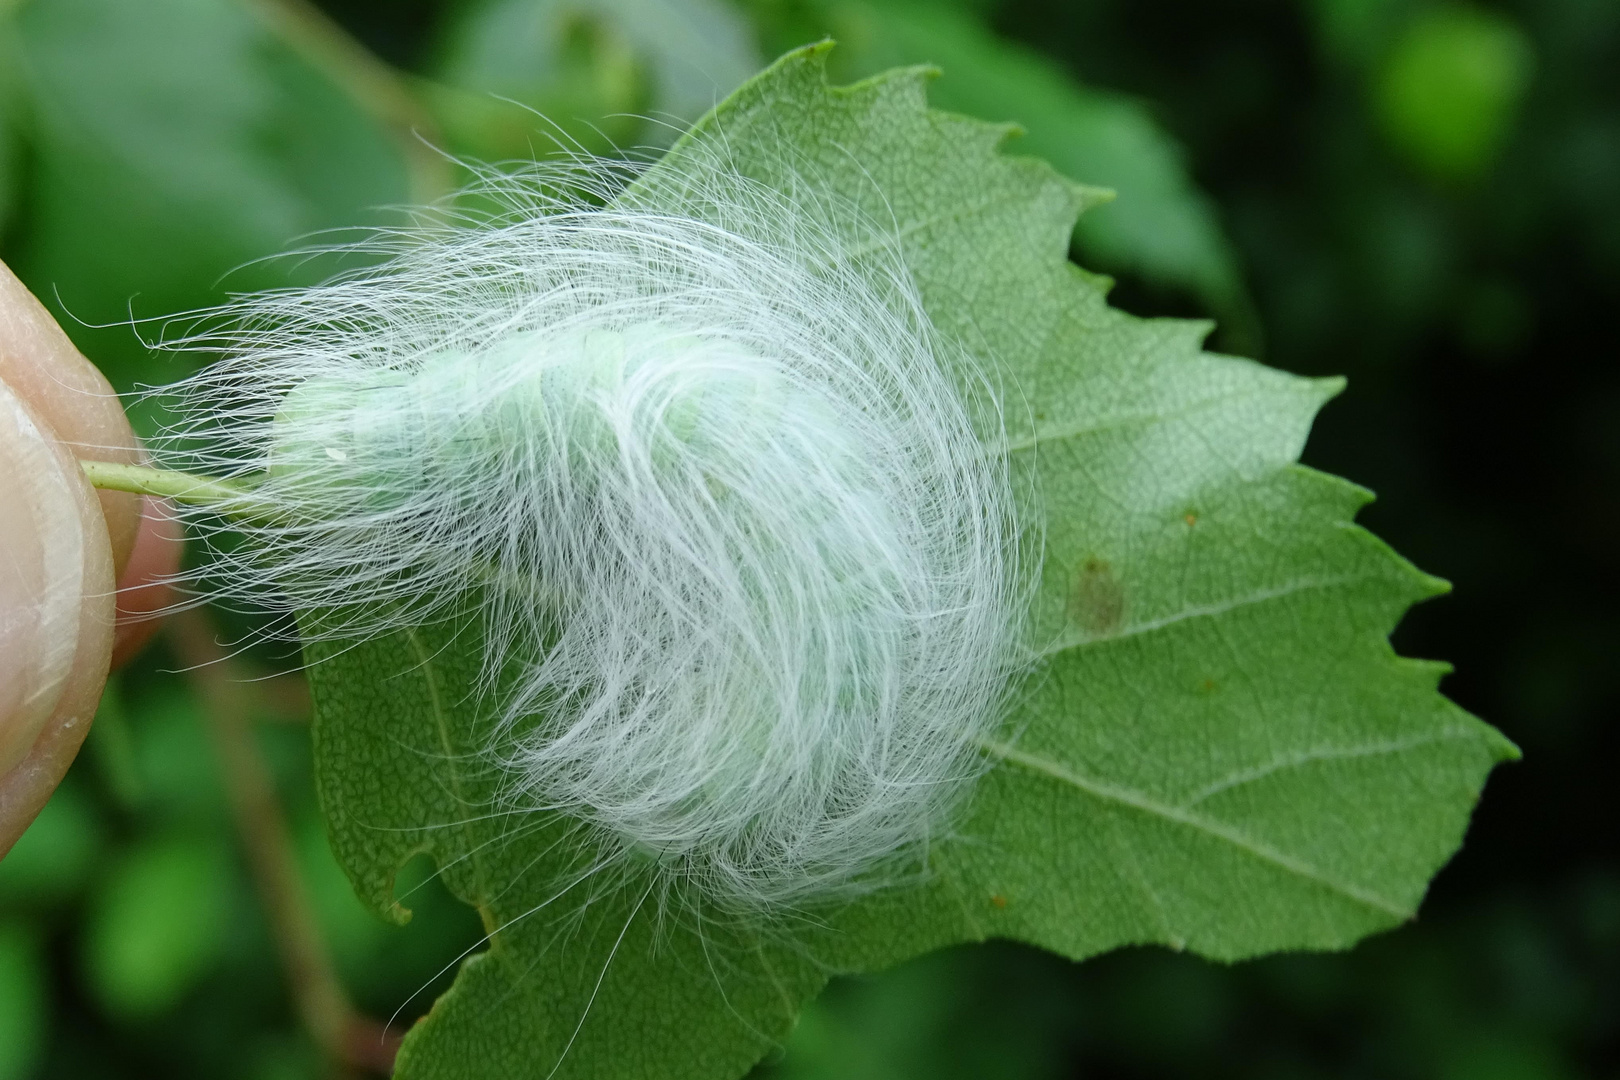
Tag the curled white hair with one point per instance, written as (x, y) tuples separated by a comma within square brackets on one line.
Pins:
[(733, 516)]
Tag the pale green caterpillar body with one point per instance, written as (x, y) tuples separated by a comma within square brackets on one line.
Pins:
[(736, 518)]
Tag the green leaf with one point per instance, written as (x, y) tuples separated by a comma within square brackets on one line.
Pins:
[(1450, 89), (178, 140), (158, 924), (51, 861), (24, 1002), (950, 1015), (1355, 32), (10, 120), (1162, 228), (591, 68), (1219, 750), (112, 745)]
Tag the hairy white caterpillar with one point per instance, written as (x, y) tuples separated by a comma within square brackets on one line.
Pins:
[(733, 516)]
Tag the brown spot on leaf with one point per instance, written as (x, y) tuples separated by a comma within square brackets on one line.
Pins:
[(997, 900), (1097, 602), (1191, 519)]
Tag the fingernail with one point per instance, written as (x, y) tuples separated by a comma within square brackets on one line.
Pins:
[(41, 578)]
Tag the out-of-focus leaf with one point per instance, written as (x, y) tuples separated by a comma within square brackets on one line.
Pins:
[(585, 91), (1355, 32), (177, 766), (23, 1008), (1161, 228), (580, 62), (157, 924), (51, 861), (937, 1017), (286, 1058), (353, 932), (176, 140), (1449, 91), (113, 747), (10, 116)]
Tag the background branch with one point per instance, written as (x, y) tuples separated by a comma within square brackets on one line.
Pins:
[(228, 700)]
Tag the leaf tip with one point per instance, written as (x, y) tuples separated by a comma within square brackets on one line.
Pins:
[(1330, 386), (1503, 748), (806, 60), (1091, 196), (817, 50), (1431, 586)]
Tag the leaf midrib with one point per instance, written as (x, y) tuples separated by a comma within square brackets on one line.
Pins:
[(1050, 433), (436, 707)]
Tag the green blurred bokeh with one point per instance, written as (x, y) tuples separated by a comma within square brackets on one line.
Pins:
[(1423, 195)]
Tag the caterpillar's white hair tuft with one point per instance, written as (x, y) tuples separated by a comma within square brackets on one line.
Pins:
[(736, 519)]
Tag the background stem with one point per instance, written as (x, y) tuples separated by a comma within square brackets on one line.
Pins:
[(353, 1041)]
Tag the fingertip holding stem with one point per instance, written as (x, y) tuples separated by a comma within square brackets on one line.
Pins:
[(56, 611), (62, 545), (71, 400), (41, 578)]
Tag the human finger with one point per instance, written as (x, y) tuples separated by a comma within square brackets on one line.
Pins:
[(71, 397), (62, 545), (56, 611)]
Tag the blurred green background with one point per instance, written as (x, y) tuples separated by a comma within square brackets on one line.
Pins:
[(1423, 195)]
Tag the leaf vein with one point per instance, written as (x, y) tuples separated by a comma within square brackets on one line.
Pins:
[(1329, 753), (1202, 611), (1178, 815), (441, 724), (1120, 421)]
